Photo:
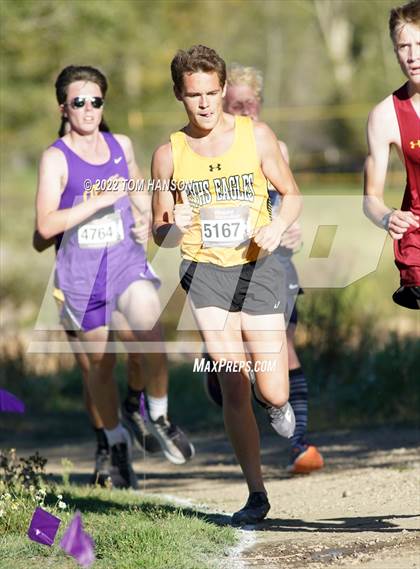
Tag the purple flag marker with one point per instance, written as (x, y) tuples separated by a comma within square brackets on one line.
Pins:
[(77, 543), (43, 527), (9, 403)]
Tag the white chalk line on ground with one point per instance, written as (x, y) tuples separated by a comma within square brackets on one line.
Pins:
[(247, 537)]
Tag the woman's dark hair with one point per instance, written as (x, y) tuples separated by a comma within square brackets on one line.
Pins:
[(73, 73)]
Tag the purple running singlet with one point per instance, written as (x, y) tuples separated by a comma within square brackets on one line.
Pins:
[(98, 259)]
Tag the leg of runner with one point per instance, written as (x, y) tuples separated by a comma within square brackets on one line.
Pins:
[(266, 343), (304, 457), (103, 390), (239, 418), (101, 468), (221, 330), (132, 416), (140, 305)]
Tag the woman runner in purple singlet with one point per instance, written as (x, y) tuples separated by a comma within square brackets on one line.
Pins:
[(101, 268)]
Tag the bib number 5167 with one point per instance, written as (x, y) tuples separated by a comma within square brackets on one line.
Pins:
[(214, 230)]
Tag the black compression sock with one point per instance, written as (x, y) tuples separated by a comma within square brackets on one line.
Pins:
[(101, 440), (132, 401)]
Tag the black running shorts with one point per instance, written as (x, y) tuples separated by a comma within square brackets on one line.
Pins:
[(255, 288), (292, 286)]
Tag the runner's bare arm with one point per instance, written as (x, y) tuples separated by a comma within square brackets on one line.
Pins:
[(380, 135), (284, 151), (170, 221), (140, 198), (292, 237), (275, 168), (52, 178)]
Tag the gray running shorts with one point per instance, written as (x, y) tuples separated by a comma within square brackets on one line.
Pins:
[(255, 288)]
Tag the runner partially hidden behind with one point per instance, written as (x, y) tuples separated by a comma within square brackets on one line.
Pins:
[(220, 216), (244, 97), (396, 121), (101, 271)]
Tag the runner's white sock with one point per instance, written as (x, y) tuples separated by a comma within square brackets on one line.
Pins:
[(116, 435), (157, 406)]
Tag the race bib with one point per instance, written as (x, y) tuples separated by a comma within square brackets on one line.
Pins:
[(224, 226), (108, 230)]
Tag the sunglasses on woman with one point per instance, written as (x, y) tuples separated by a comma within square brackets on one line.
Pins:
[(79, 102)]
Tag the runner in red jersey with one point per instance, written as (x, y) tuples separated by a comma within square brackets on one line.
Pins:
[(407, 249), (396, 121)]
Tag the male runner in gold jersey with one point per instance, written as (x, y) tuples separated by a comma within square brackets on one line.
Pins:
[(244, 96), (221, 218)]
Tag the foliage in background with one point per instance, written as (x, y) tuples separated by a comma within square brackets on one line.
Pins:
[(325, 62), (357, 374)]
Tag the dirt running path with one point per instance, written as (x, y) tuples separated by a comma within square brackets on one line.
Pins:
[(362, 510)]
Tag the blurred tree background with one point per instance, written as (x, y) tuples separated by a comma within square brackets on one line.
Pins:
[(325, 63)]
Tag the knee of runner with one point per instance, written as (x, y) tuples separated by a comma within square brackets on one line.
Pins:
[(275, 398), (102, 360)]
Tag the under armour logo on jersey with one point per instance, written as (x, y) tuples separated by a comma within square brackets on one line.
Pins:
[(215, 167), (414, 144)]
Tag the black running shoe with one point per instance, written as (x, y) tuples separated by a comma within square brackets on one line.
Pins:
[(101, 473), (254, 511), (408, 296), (136, 426), (173, 442), (121, 472)]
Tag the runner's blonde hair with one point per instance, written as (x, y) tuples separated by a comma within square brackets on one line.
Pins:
[(401, 15), (251, 76)]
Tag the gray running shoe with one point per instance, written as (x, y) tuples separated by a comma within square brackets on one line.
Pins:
[(121, 471), (254, 511), (282, 419), (174, 443), (137, 427)]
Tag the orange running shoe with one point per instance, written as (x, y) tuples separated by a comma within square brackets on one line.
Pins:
[(305, 460)]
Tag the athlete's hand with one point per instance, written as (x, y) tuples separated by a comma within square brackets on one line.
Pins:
[(399, 221), (183, 216), (292, 238), (269, 236), (142, 230), (116, 188)]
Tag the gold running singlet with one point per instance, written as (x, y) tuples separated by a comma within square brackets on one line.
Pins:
[(229, 197)]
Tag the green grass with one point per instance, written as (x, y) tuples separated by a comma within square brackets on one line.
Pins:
[(130, 532)]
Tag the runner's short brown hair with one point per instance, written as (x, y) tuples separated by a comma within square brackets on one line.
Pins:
[(197, 58), (407, 14)]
